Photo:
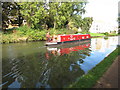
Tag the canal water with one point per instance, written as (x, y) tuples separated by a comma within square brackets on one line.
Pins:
[(34, 65)]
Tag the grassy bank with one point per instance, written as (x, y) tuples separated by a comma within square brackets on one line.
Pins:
[(22, 34), (90, 79), (102, 34), (97, 34), (26, 34)]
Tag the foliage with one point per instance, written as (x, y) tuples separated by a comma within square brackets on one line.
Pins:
[(25, 33), (10, 14), (60, 31), (52, 14), (106, 33), (55, 17), (33, 12), (86, 24)]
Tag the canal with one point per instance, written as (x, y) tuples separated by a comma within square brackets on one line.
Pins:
[(33, 65)]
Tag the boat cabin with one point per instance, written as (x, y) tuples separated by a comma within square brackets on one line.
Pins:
[(57, 39)]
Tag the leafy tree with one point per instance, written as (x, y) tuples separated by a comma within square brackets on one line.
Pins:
[(10, 14), (29, 10), (86, 24), (50, 15), (47, 15)]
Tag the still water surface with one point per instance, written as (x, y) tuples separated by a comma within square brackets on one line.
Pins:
[(33, 65)]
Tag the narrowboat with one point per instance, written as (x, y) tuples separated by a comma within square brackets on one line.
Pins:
[(59, 39)]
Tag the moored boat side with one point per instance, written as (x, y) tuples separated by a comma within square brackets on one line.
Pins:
[(51, 43), (59, 39)]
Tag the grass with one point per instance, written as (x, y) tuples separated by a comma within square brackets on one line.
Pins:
[(97, 34), (102, 34), (113, 34), (90, 79)]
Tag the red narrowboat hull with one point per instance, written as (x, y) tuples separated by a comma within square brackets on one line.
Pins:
[(69, 38)]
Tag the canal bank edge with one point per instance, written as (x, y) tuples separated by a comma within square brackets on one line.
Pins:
[(12, 38), (91, 78)]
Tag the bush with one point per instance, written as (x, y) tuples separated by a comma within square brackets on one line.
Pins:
[(106, 33), (25, 33), (61, 31), (23, 30), (53, 31)]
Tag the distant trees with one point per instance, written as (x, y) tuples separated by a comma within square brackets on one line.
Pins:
[(86, 24), (45, 15), (52, 14)]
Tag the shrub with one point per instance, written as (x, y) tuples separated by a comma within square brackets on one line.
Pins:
[(106, 33)]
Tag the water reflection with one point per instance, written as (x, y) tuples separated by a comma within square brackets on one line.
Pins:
[(53, 68), (31, 65), (101, 48), (59, 51), (99, 44)]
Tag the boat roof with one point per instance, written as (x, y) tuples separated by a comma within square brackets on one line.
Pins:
[(72, 34)]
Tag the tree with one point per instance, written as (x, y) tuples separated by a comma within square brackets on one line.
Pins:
[(10, 14), (29, 11), (86, 24), (61, 13), (50, 14)]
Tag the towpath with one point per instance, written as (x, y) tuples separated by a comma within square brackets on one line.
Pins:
[(110, 77)]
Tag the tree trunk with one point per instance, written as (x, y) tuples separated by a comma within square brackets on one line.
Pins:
[(54, 25)]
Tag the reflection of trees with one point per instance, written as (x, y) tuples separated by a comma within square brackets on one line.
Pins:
[(37, 71), (11, 70), (34, 66), (84, 53), (61, 74), (28, 67), (68, 68)]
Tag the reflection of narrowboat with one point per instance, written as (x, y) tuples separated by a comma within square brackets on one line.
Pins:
[(67, 49), (68, 38)]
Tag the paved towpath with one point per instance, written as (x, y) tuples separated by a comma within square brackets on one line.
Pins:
[(110, 77)]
